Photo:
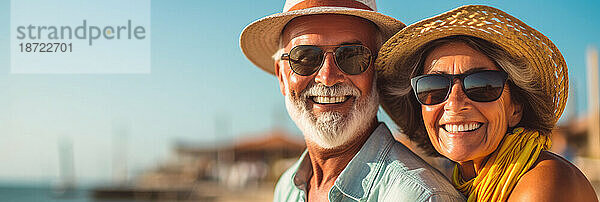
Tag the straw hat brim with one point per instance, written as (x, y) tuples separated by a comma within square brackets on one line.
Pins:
[(260, 39), (488, 23)]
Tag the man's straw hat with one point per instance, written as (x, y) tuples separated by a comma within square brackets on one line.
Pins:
[(260, 40), (490, 24)]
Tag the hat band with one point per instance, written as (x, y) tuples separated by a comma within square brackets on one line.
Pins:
[(329, 3)]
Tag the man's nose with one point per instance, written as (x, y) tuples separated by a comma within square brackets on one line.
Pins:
[(329, 74), (457, 100)]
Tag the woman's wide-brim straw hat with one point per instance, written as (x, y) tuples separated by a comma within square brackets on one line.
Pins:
[(260, 39), (488, 23)]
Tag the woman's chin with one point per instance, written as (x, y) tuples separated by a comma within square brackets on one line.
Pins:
[(459, 148), (458, 156)]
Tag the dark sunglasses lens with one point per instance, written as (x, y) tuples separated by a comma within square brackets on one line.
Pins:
[(305, 60), (484, 86), (353, 59), (432, 89)]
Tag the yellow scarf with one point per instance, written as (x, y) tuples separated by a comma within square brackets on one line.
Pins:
[(518, 151)]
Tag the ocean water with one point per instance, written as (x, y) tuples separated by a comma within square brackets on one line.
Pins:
[(40, 193)]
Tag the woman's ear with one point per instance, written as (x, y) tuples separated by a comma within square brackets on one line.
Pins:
[(515, 114)]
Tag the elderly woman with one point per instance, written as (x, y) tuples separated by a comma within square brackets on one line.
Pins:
[(483, 89)]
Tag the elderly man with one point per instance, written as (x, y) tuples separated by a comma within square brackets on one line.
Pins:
[(324, 66)]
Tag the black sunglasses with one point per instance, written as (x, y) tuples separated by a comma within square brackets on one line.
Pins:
[(481, 86), (307, 59)]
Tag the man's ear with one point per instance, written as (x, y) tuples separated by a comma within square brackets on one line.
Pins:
[(279, 74), (515, 115)]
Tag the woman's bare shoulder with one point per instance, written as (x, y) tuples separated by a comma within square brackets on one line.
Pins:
[(552, 178)]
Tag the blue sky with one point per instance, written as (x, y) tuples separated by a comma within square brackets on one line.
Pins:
[(200, 76)]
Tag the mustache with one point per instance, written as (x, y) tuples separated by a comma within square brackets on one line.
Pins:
[(339, 89)]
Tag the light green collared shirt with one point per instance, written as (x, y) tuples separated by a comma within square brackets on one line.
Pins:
[(383, 170)]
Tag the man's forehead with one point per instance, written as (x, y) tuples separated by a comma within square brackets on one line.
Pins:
[(324, 39), (329, 27)]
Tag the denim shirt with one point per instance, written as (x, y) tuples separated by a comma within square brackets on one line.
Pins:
[(383, 170)]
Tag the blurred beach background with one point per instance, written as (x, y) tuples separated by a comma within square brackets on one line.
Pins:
[(207, 125)]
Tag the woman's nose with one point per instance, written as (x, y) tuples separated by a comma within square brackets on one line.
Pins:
[(457, 100)]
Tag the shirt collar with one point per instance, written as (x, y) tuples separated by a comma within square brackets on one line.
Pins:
[(357, 178), (303, 171)]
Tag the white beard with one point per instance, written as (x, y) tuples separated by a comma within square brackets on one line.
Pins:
[(332, 129)]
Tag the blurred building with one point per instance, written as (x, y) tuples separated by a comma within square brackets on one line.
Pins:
[(572, 141), (255, 159)]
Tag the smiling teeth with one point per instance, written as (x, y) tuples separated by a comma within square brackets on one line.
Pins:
[(329, 100), (462, 127)]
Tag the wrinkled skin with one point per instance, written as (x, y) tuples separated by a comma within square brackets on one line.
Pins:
[(319, 30), (551, 177)]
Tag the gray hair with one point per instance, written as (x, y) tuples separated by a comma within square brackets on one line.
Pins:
[(523, 83)]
